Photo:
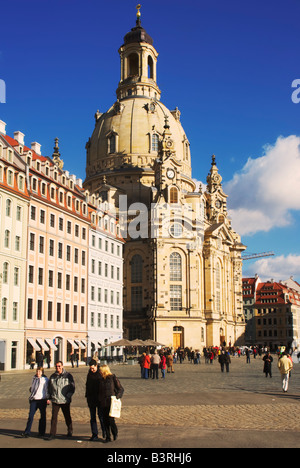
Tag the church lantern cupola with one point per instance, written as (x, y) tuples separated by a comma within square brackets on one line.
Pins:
[(138, 64)]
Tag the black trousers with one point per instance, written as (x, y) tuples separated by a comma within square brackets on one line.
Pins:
[(109, 423), (224, 364), (94, 410), (155, 371)]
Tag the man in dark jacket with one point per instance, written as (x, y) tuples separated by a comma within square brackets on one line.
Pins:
[(61, 389), (268, 364), (224, 360), (92, 396)]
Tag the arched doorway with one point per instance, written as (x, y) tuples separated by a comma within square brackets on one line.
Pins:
[(222, 337), (178, 337)]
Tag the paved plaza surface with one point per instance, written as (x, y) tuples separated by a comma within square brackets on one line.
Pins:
[(196, 407)]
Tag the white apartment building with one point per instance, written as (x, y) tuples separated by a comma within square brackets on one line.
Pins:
[(105, 303), (14, 203)]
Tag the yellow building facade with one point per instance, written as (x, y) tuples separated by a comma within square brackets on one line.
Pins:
[(182, 259)]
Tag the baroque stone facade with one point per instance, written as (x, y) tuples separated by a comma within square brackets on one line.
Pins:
[(182, 259)]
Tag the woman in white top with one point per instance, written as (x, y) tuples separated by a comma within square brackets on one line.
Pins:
[(39, 398)]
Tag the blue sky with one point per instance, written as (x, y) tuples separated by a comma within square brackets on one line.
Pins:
[(228, 67)]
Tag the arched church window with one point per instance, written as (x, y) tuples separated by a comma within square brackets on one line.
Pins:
[(112, 144), (136, 269), (133, 64), (218, 287), (173, 195), (175, 267), (155, 142), (186, 151), (150, 68)]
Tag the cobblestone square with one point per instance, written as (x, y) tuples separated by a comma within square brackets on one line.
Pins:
[(194, 407)]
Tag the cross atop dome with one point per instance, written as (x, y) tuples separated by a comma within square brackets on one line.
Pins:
[(138, 15)]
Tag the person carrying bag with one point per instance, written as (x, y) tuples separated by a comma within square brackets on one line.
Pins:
[(110, 387)]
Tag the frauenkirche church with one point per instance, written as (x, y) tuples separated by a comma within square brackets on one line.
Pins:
[(182, 259)]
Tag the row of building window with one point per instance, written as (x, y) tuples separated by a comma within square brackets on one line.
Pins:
[(75, 315), (273, 321), (112, 143), (175, 297), (114, 321), (59, 283), (4, 310), (175, 265), (274, 333), (10, 178), (60, 247), (52, 222), (62, 196), (100, 245), (114, 271)]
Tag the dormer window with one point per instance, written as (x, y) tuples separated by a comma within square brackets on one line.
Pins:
[(10, 177), (112, 144), (34, 184), (21, 183)]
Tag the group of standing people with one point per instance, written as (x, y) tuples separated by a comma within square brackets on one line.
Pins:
[(151, 363), (101, 385)]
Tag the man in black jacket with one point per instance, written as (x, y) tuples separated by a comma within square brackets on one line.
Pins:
[(224, 360), (92, 396)]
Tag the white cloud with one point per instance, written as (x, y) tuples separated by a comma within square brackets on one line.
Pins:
[(278, 268), (264, 193)]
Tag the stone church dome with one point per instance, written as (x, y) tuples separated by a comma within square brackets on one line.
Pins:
[(130, 134)]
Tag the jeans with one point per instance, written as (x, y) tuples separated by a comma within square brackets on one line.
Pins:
[(34, 406), (163, 373), (93, 413)]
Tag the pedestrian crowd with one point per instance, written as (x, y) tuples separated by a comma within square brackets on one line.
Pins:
[(101, 386), (150, 364)]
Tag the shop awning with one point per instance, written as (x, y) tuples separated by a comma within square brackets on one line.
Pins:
[(72, 343), (78, 342), (51, 344), (34, 344), (42, 344)]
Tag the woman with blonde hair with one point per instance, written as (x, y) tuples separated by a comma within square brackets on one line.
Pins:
[(109, 386)]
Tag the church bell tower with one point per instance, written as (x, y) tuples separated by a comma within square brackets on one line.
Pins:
[(138, 64)]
